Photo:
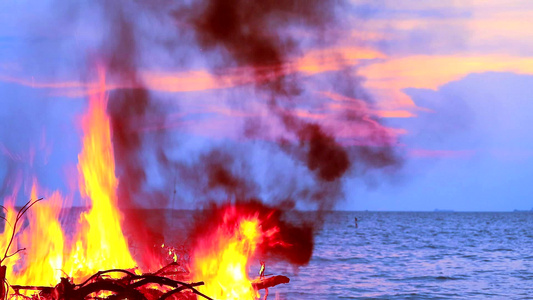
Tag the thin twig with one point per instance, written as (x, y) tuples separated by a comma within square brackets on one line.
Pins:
[(20, 213), (99, 273), (21, 249)]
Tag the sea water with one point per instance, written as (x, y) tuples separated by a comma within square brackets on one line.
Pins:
[(416, 255)]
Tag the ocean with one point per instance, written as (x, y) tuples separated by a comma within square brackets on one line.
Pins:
[(416, 255)]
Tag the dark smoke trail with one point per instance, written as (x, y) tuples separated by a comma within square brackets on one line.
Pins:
[(259, 39), (260, 35), (257, 35)]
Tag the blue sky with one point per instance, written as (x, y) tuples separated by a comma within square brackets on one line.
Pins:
[(451, 82)]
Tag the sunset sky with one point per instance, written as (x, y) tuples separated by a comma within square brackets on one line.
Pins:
[(451, 82)]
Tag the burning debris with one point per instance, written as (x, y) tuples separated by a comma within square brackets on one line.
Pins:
[(239, 234), (163, 284), (130, 286)]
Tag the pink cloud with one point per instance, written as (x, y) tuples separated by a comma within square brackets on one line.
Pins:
[(427, 153)]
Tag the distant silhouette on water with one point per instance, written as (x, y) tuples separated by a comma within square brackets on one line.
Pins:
[(356, 225), (262, 277), (262, 270)]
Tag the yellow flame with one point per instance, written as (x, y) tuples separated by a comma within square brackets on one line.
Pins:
[(42, 239), (221, 260), (44, 256), (100, 243)]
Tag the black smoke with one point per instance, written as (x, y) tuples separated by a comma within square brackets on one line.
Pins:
[(258, 39)]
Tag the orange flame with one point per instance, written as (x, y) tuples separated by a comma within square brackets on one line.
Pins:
[(221, 258)]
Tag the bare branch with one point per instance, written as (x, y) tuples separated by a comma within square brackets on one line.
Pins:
[(20, 214)]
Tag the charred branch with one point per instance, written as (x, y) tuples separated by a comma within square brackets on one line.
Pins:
[(131, 286), (20, 214), (259, 284)]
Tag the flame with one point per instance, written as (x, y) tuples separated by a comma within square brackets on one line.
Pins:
[(221, 257), (44, 259), (100, 243)]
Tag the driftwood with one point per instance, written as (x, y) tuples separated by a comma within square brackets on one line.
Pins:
[(259, 284)]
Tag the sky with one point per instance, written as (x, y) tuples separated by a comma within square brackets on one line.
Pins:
[(448, 83)]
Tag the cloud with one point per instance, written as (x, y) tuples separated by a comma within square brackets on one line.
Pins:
[(471, 150), (426, 153), (488, 114), (388, 79)]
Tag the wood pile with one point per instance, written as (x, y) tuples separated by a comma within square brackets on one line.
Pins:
[(161, 285)]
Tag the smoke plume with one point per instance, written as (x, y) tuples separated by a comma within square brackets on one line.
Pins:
[(258, 40)]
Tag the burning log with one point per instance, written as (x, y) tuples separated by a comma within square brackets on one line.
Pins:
[(259, 284)]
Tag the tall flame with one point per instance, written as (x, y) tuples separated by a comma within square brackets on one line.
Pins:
[(100, 243)]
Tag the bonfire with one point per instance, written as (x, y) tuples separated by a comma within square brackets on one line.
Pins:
[(96, 263)]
